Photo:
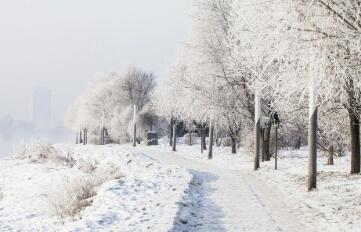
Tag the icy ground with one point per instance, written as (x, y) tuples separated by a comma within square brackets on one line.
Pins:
[(150, 189)]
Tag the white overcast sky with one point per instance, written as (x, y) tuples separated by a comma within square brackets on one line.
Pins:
[(63, 44)]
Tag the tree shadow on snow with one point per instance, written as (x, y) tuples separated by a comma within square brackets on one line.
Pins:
[(197, 212)]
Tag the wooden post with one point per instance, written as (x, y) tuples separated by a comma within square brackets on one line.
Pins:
[(135, 126), (174, 136), (257, 127)]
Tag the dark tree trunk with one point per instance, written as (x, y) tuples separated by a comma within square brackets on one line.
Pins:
[(80, 138), (312, 153), (355, 143), (190, 138), (203, 138), (171, 133), (210, 151), (84, 140), (201, 134), (77, 139), (266, 143), (298, 143), (234, 144), (330, 155), (262, 145), (174, 136), (276, 143)]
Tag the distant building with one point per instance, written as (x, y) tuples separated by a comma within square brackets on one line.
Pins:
[(42, 98)]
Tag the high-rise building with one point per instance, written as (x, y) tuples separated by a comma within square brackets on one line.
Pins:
[(42, 98)]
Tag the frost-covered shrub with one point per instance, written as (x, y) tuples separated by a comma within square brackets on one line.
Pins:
[(73, 197), (76, 193), (38, 151), (87, 166), (35, 150)]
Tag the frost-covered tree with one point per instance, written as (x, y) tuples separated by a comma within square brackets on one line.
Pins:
[(111, 97)]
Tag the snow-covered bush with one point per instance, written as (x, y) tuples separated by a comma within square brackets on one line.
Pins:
[(38, 151), (73, 194), (72, 198)]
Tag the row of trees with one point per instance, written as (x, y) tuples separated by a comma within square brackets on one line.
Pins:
[(274, 50), (106, 106)]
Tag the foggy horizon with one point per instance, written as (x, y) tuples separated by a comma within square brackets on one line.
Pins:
[(63, 46)]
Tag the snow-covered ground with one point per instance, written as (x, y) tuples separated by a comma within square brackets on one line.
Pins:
[(149, 189), (334, 206), (128, 191)]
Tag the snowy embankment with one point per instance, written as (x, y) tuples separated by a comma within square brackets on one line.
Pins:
[(334, 206), (82, 188)]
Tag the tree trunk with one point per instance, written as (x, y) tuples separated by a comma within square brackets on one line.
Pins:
[(355, 143), (171, 132), (134, 135), (312, 151), (134, 126), (276, 152), (201, 134), (257, 131), (234, 144), (262, 145), (266, 143), (77, 139), (190, 138), (203, 138), (330, 155), (174, 136), (80, 137), (210, 150)]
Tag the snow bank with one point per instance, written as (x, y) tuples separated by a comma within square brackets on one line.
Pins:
[(92, 188)]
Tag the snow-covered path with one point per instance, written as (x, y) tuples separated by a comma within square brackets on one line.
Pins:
[(222, 199)]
